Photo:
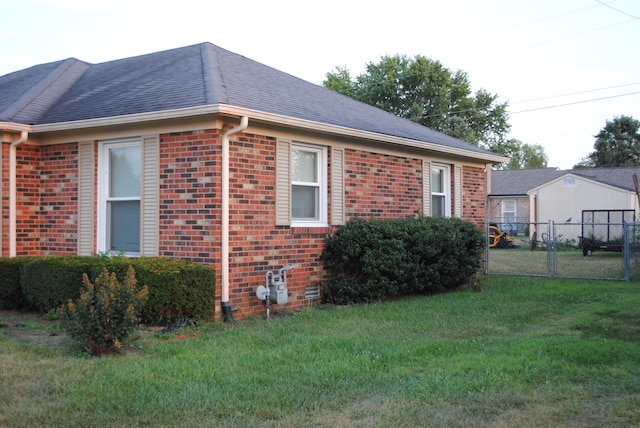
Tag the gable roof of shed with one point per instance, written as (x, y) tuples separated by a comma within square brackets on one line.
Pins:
[(517, 182), (198, 75), (621, 178)]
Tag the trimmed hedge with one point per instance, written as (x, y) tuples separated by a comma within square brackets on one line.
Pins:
[(373, 260), (177, 288), (11, 296), (49, 282)]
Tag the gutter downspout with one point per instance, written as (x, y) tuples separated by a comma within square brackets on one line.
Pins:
[(13, 192), (227, 316)]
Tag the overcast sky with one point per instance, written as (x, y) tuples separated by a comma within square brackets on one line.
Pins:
[(564, 66)]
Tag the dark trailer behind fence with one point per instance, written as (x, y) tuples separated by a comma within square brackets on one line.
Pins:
[(604, 230)]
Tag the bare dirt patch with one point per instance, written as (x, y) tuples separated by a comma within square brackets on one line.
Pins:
[(30, 327), (34, 328)]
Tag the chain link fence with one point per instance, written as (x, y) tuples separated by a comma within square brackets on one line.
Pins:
[(590, 250)]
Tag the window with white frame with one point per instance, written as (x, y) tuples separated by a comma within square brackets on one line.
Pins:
[(308, 185), (120, 168), (440, 191), (508, 211)]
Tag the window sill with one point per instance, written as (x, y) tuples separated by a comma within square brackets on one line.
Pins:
[(315, 230)]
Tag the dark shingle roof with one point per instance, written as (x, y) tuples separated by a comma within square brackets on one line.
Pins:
[(28, 94), (517, 182), (191, 76), (616, 177), (512, 182)]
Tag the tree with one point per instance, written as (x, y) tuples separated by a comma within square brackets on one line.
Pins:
[(617, 145), (426, 92), (584, 163), (524, 155)]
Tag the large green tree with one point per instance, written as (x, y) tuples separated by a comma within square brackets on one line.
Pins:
[(424, 91), (617, 145), (522, 155)]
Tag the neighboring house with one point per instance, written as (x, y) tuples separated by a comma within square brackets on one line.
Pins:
[(508, 201), (203, 154), (541, 195)]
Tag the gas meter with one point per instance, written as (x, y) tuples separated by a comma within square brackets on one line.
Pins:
[(275, 288)]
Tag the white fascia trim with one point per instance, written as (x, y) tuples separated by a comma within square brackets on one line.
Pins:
[(15, 127), (350, 132), (258, 115)]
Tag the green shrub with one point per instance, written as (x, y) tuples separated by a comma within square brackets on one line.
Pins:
[(177, 288), (48, 282), (106, 312), (377, 259), (11, 295)]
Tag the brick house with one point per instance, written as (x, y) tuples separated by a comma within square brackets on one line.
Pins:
[(203, 154)]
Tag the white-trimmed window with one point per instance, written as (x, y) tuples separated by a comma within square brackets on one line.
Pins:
[(508, 211), (440, 190), (308, 185), (120, 172)]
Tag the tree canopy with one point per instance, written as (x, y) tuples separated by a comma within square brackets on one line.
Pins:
[(617, 145), (424, 91), (526, 155)]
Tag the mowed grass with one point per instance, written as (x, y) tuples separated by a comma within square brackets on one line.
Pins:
[(570, 263), (523, 352)]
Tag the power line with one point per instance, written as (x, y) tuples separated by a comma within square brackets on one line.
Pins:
[(573, 93), (529, 110), (572, 35), (548, 18), (617, 10), (576, 102)]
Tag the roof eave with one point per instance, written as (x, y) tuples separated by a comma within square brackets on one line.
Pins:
[(264, 117), (15, 127)]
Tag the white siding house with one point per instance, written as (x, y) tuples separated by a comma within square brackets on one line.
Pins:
[(549, 194), (565, 198)]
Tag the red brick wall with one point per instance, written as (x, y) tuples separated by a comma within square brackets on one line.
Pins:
[(58, 199), (189, 217), (4, 251), (378, 185), (190, 223), (46, 202), (28, 218), (189, 226), (474, 194)]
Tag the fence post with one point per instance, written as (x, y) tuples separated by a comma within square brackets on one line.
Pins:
[(551, 248), (626, 256), (486, 249)]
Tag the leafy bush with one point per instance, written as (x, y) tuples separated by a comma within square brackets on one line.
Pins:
[(48, 282), (106, 312), (377, 259), (177, 288), (11, 295)]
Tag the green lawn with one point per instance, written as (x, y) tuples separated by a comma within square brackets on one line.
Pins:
[(523, 352), (570, 263)]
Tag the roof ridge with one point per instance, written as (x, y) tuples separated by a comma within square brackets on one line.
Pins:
[(40, 97), (213, 79)]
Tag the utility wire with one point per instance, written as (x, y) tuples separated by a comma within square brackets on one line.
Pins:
[(572, 35), (573, 93), (575, 102), (617, 10), (601, 3), (548, 18), (528, 110)]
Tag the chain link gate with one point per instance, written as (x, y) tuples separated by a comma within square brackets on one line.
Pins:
[(564, 250)]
